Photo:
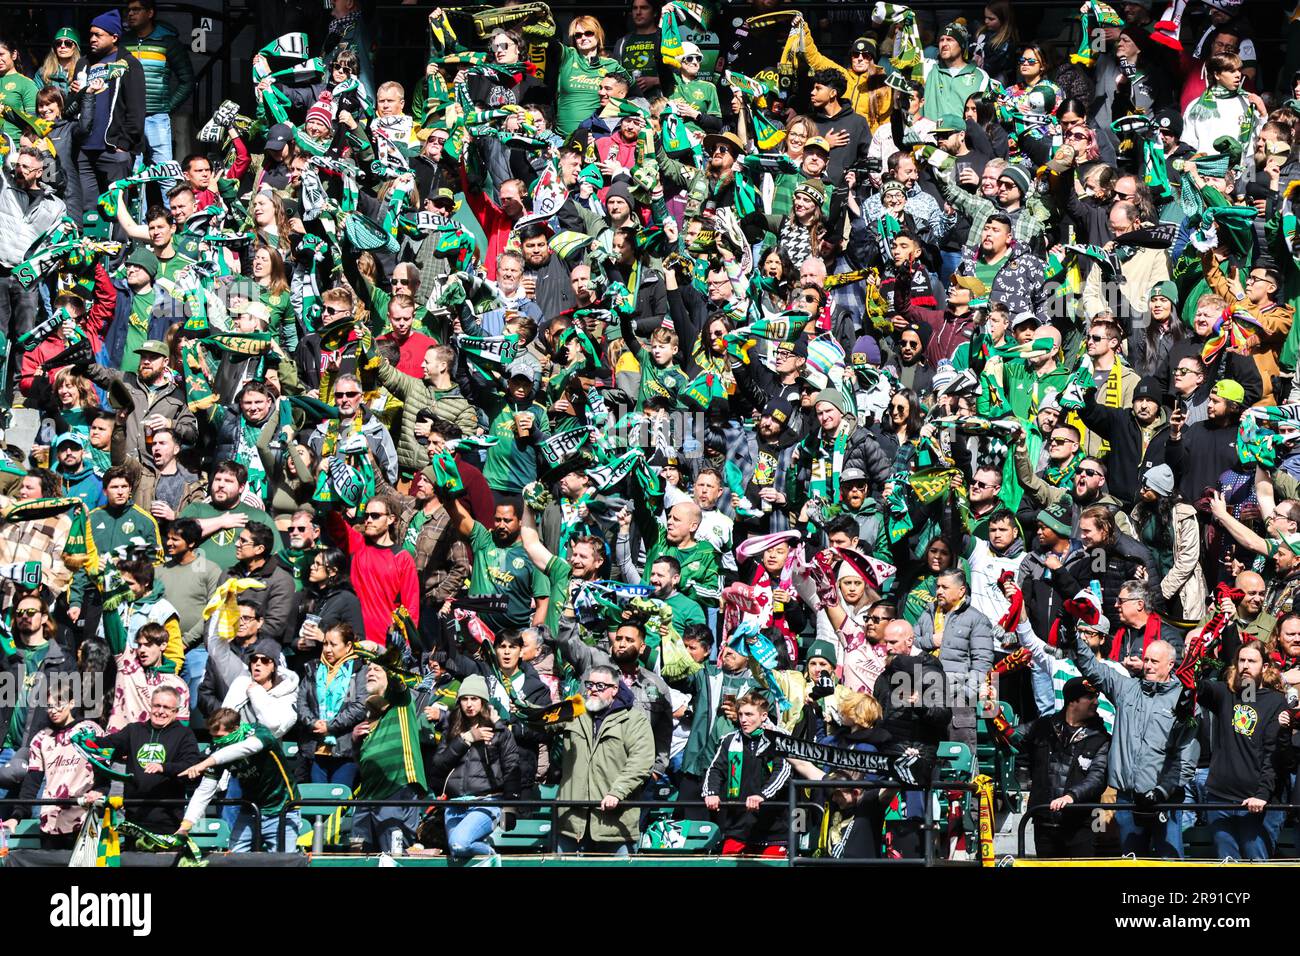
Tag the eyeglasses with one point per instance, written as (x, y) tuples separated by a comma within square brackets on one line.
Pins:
[(1126, 600), (163, 707), (1254, 278), (595, 685), (347, 394), (583, 33), (247, 618), (1185, 371), (1089, 472), (28, 612), (784, 354)]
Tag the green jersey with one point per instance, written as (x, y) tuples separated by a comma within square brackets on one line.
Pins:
[(509, 465), (18, 92), (389, 758), (701, 581), (262, 776), (577, 93), (508, 572)]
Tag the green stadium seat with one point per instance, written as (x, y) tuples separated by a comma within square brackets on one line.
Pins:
[(681, 836), (290, 749), (995, 762), (955, 761), (27, 836), (528, 835), (211, 833), (320, 801)]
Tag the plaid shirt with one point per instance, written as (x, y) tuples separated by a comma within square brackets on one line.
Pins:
[(1028, 223)]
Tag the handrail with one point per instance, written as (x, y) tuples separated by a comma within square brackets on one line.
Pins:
[(98, 807), (1154, 808)]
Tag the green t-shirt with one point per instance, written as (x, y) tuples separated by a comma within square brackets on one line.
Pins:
[(641, 55), (33, 657), (219, 548), (18, 92), (987, 271), (700, 577), (418, 521), (560, 573), (137, 329), (508, 572), (698, 93), (578, 89), (510, 466)]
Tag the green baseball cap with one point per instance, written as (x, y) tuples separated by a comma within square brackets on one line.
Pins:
[(1229, 391)]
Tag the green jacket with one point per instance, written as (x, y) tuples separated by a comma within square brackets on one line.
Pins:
[(708, 686), (168, 74), (615, 761), (416, 395)]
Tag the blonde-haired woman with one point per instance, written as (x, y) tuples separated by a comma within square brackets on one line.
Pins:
[(583, 65), (60, 64)]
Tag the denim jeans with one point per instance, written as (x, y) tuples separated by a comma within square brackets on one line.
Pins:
[(468, 827), (241, 833), (1145, 835), (1239, 834), (1044, 695), (340, 770), (158, 147), (1195, 793), (196, 662), (6, 755), (233, 792), (948, 263)]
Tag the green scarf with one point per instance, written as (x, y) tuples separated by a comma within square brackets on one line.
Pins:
[(1061, 475), (242, 732)]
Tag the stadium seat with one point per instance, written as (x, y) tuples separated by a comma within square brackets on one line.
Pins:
[(27, 836), (211, 833), (335, 820), (996, 762), (681, 836), (528, 835)]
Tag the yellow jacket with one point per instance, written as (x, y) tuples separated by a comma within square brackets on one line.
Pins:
[(866, 92)]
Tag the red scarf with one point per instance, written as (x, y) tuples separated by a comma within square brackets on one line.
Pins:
[(1150, 633)]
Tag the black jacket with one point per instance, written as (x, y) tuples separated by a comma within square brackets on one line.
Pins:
[(478, 769), (1065, 760), (1046, 590), (350, 714), (124, 98), (333, 605), (763, 772), (1123, 558), (175, 748), (212, 690), (926, 722), (276, 600), (1125, 461), (1204, 452)]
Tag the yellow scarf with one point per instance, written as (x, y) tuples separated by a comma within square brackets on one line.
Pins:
[(225, 604)]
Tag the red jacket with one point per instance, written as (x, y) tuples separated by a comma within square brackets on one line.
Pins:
[(101, 310), (382, 577), (496, 224)]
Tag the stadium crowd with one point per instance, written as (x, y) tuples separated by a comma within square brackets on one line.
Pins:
[(681, 410)]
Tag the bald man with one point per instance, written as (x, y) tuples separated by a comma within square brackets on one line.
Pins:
[(1154, 752), (700, 581), (1247, 619), (899, 638)]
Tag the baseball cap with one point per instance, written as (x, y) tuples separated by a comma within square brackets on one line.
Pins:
[(1077, 687), (278, 137), (1229, 391), (68, 438), (690, 49), (818, 142), (949, 123), (852, 474), (153, 347)]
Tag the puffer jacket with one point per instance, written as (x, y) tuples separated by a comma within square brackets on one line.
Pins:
[(615, 759), (1154, 745), (479, 769), (24, 216), (418, 396), (351, 713), (275, 709), (967, 647), (1066, 760)]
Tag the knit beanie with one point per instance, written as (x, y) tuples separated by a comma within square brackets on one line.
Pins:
[(322, 110), (1020, 176), (110, 22)]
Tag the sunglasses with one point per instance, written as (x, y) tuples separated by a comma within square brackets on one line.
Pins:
[(1089, 473), (64, 43), (1184, 371), (347, 394), (503, 45), (299, 527), (1032, 61), (337, 310), (1098, 338), (880, 618), (260, 659), (28, 612), (583, 33), (376, 515), (1062, 441), (982, 484), (692, 59)]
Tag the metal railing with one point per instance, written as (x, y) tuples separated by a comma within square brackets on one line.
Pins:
[(70, 802), (1040, 808)]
